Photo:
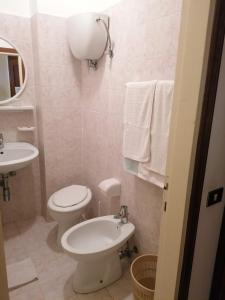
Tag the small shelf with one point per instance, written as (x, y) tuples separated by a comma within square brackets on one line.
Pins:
[(26, 128), (16, 108)]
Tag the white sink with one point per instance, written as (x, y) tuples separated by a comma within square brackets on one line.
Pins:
[(15, 156)]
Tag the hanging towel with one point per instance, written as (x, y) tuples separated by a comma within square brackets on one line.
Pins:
[(159, 134), (137, 120), (152, 177)]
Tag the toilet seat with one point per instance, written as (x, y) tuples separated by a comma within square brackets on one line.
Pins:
[(70, 196), (67, 207)]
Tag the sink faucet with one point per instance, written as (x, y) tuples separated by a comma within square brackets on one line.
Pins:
[(123, 214), (1, 141)]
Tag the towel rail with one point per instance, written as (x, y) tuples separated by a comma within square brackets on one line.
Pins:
[(166, 186)]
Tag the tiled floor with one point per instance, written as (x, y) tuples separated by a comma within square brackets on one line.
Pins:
[(37, 239)]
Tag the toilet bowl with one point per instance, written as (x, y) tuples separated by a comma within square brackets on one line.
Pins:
[(94, 245), (67, 206)]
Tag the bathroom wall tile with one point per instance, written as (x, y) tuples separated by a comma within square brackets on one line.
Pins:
[(64, 97), (63, 55), (51, 28), (58, 76), (25, 198), (154, 9), (94, 143), (59, 108), (80, 111), (15, 28), (96, 79), (145, 37), (167, 27), (116, 100), (95, 99)]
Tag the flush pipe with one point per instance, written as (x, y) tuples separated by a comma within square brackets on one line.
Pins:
[(93, 63), (108, 42), (4, 183)]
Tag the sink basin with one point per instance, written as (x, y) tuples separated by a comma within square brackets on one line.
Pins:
[(15, 156)]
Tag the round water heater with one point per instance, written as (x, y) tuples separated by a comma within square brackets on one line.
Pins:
[(87, 36)]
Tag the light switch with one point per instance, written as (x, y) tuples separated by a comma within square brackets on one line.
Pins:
[(214, 196)]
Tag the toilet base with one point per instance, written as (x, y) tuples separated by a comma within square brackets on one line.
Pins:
[(61, 229), (64, 226), (91, 276)]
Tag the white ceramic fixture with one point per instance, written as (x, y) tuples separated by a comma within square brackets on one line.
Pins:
[(15, 108), (110, 187), (94, 244), (87, 37), (67, 206), (15, 156)]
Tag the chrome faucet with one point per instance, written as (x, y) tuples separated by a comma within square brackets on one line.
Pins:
[(123, 214), (1, 141)]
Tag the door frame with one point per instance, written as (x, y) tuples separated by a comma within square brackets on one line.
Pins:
[(218, 286), (191, 71), (213, 70), (4, 294)]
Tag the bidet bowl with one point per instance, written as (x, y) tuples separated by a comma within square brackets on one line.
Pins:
[(96, 238), (15, 156), (94, 245)]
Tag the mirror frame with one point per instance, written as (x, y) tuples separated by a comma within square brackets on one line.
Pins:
[(3, 102)]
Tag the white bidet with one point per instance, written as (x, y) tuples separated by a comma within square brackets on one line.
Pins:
[(94, 244)]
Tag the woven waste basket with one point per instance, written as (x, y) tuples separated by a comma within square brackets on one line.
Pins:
[(143, 273)]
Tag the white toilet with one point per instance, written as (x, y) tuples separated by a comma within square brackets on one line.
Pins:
[(94, 245), (67, 206)]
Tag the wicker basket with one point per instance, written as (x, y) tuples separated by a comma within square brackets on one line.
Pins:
[(143, 273)]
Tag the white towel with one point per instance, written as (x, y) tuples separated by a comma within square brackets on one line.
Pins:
[(21, 273), (150, 176), (137, 120), (159, 134)]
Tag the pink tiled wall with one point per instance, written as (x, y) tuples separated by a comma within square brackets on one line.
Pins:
[(79, 111), (57, 77), (145, 35), (25, 186)]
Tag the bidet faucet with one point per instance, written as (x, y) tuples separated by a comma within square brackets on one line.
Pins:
[(123, 214), (1, 141)]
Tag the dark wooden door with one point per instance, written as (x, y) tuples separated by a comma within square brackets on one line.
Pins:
[(218, 282), (13, 74)]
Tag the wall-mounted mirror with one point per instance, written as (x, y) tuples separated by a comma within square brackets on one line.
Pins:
[(12, 72)]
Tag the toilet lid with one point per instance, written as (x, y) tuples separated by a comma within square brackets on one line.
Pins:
[(70, 196)]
